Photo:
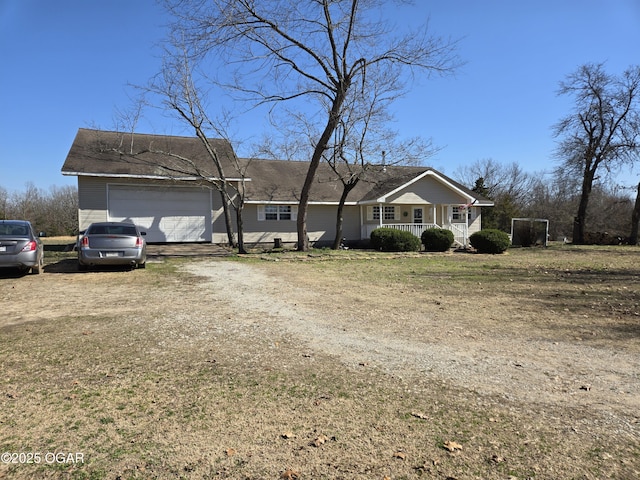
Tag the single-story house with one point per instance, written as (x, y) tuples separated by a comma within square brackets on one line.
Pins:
[(156, 182)]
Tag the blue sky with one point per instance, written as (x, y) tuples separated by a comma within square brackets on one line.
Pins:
[(66, 65)]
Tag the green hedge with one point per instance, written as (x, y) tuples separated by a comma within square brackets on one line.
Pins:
[(490, 241), (437, 239), (392, 240)]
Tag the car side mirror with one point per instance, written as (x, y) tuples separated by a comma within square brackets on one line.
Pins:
[(143, 233)]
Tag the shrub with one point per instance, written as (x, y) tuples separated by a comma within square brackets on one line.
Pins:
[(437, 239), (490, 241), (392, 240)]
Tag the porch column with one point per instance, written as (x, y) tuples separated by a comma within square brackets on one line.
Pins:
[(380, 215)]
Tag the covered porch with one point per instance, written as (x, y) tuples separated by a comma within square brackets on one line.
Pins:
[(462, 220)]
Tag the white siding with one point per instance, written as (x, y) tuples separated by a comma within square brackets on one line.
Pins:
[(427, 190), (257, 230), (475, 224), (92, 201), (321, 223)]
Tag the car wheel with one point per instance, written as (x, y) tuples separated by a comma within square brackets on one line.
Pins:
[(37, 269), (142, 265)]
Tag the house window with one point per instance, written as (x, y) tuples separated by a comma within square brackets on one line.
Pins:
[(389, 212), (460, 214), (277, 212), (284, 212)]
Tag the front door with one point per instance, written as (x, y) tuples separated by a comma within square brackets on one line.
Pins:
[(418, 215)]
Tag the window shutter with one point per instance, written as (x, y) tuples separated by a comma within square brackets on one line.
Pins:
[(369, 213), (261, 216), (396, 213), (294, 213)]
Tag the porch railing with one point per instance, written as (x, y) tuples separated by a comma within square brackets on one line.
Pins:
[(460, 230), (460, 233)]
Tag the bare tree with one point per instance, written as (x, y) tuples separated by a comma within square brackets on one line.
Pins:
[(553, 197), (316, 51), (181, 94), (509, 186), (362, 142), (54, 212), (29, 204), (61, 211), (603, 130), (499, 179), (185, 93), (4, 203)]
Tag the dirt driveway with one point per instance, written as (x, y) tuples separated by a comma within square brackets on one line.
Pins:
[(579, 390)]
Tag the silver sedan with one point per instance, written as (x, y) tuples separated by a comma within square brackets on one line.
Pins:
[(20, 247), (112, 243)]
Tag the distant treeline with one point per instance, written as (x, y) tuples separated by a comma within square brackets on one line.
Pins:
[(53, 212), (553, 196), (515, 193)]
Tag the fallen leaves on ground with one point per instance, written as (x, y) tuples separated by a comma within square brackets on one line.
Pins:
[(321, 440), (289, 475), (452, 446)]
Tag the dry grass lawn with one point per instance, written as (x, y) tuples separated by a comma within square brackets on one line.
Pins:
[(333, 365)]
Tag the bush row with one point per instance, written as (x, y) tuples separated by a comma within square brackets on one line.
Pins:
[(436, 240)]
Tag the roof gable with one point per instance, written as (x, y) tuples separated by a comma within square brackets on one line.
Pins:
[(441, 189)]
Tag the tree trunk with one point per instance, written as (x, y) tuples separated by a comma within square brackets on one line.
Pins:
[(227, 216), (580, 219), (635, 218), (346, 188), (239, 222), (321, 146)]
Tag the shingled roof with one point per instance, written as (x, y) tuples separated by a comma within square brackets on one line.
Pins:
[(280, 180), (113, 154), (116, 154)]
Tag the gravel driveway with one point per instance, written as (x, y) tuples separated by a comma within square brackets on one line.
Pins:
[(555, 373)]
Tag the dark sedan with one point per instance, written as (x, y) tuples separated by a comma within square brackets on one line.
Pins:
[(20, 247), (112, 243)]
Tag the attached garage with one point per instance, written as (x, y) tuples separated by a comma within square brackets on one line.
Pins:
[(168, 214)]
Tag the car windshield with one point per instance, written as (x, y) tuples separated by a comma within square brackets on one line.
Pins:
[(8, 230), (112, 230)]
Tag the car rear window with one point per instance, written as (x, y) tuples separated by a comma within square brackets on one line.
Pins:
[(112, 230), (14, 230)]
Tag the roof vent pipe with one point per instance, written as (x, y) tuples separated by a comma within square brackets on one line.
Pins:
[(384, 161)]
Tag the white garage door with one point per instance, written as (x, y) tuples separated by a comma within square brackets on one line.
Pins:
[(167, 214)]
